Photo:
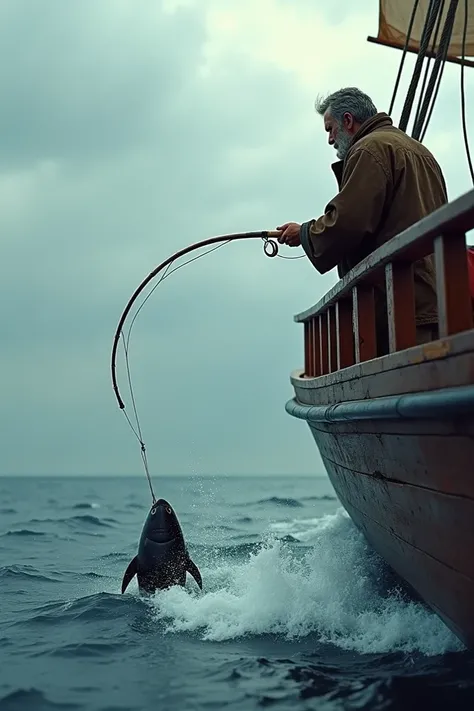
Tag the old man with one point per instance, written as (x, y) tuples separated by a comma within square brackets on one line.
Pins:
[(387, 182)]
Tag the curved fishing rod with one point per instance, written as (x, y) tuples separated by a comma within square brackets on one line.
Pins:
[(269, 243), (270, 249)]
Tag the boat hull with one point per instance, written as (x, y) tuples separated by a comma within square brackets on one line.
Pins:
[(403, 468)]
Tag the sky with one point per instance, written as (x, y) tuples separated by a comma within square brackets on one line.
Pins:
[(132, 129)]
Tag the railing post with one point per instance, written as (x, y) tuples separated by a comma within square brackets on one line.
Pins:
[(452, 284), (400, 286), (317, 354), (345, 334), (363, 303), (332, 340), (323, 344), (307, 347), (312, 366)]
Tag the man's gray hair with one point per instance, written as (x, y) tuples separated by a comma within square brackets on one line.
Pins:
[(351, 100)]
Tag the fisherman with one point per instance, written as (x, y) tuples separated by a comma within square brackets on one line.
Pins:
[(387, 181)]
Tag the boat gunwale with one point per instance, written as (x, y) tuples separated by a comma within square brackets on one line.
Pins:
[(434, 351), (443, 403)]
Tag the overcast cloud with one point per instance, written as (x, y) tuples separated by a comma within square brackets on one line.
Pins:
[(130, 129)]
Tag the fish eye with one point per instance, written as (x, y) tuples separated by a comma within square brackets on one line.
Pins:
[(153, 512), (168, 510)]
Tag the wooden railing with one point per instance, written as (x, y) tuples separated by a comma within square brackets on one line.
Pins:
[(340, 330)]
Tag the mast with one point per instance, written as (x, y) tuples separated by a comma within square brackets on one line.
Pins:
[(439, 30)]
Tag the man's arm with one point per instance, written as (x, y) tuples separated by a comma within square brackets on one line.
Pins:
[(353, 214)]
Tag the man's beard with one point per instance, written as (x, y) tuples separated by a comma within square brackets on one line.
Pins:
[(343, 143)]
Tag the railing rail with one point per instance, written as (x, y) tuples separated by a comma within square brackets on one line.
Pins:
[(340, 329)]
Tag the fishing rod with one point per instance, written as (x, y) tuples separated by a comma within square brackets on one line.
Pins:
[(270, 248)]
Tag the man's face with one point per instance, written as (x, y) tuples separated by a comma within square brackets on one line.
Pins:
[(340, 135)]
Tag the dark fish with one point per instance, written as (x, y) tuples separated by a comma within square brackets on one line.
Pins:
[(162, 559)]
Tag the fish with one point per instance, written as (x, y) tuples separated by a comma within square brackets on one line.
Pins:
[(162, 560)]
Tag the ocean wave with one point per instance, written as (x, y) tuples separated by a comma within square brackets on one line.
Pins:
[(94, 607), (76, 650), (26, 572), (288, 501), (324, 497), (115, 555), (24, 532), (90, 520), (281, 501), (34, 699), (80, 519), (331, 591)]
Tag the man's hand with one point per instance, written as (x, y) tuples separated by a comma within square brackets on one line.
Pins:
[(291, 234)]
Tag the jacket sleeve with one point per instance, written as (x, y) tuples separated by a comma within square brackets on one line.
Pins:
[(352, 215)]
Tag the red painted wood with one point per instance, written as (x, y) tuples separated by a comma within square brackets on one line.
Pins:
[(307, 348), (452, 284), (332, 340), (364, 323), (344, 334), (312, 369), (315, 347), (323, 344), (400, 306)]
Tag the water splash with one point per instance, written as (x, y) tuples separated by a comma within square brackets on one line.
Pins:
[(332, 591)]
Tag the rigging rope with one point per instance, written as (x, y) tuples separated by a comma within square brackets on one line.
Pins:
[(428, 27), (270, 248), (463, 91), (429, 94), (404, 55), (428, 62), (440, 54)]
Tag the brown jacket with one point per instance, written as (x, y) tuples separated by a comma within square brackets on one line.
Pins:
[(387, 182)]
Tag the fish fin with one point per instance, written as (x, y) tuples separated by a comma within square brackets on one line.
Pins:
[(129, 573), (194, 570)]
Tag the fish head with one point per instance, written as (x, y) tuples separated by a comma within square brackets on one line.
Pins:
[(162, 525)]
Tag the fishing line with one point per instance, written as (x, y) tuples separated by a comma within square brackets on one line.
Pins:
[(270, 248)]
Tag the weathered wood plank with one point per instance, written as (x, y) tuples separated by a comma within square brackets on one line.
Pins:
[(315, 347), (424, 377), (307, 349), (414, 457), (400, 306), (323, 344), (364, 323), (427, 367), (449, 592), (434, 522), (344, 334), (332, 340), (452, 284)]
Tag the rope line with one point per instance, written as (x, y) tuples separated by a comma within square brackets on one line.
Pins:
[(428, 27), (270, 248), (463, 91)]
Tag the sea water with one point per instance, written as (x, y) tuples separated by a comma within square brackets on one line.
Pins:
[(296, 612)]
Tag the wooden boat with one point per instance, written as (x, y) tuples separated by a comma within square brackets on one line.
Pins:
[(396, 432)]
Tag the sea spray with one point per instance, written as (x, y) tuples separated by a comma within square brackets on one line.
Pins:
[(332, 589)]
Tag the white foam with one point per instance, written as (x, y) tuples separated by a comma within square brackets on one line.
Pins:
[(330, 591)]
